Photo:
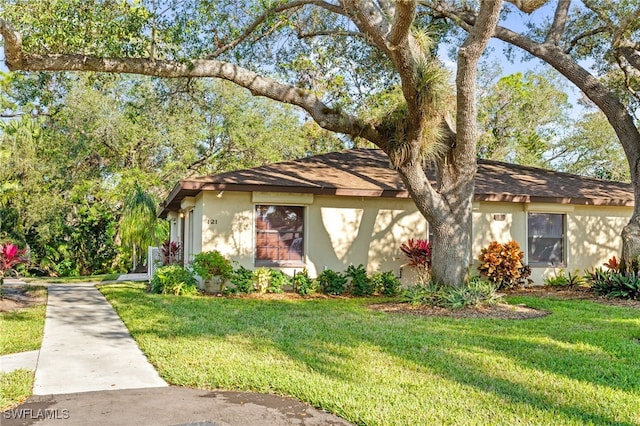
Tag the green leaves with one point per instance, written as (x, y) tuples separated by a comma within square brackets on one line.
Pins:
[(104, 28)]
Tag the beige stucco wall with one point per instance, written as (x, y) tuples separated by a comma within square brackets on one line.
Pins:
[(340, 231), (347, 231), (592, 232)]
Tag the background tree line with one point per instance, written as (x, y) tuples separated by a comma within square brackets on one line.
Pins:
[(86, 159)]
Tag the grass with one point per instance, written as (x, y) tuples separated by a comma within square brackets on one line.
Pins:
[(21, 330), (67, 280), (15, 387), (578, 365)]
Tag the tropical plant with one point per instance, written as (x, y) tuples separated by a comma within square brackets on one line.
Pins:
[(361, 284), (615, 284), (386, 283), (558, 279), (332, 282), (612, 264), (209, 264), (139, 226), (277, 281), (418, 252), (502, 264), (171, 252), (261, 279), (10, 257), (173, 279), (476, 293), (242, 280), (303, 284)]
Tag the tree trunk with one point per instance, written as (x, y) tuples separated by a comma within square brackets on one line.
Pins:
[(450, 257)]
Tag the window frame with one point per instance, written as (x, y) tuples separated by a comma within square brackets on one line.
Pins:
[(283, 263), (562, 239)]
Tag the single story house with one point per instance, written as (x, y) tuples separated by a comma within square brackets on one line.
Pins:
[(349, 207)]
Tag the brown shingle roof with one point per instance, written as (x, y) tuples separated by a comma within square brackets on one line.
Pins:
[(366, 173)]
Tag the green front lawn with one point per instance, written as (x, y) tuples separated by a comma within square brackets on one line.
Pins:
[(21, 330), (68, 280), (578, 365)]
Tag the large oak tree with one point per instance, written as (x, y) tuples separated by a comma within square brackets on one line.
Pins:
[(337, 60), (596, 46)]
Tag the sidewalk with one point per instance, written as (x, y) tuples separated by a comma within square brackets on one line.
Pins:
[(86, 347)]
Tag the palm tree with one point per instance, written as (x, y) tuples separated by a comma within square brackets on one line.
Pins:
[(140, 226)]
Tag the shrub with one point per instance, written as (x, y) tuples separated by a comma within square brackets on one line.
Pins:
[(332, 282), (502, 265), (261, 279), (242, 279), (303, 284), (386, 283), (615, 284), (278, 280), (209, 264), (361, 284), (173, 279)]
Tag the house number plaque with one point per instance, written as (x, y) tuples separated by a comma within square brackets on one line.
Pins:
[(212, 221)]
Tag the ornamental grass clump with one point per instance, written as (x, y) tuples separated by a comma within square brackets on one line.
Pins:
[(502, 264)]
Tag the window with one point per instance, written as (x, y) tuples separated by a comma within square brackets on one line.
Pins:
[(279, 235), (546, 239)]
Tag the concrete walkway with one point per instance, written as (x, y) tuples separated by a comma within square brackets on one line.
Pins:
[(86, 347), (25, 360)]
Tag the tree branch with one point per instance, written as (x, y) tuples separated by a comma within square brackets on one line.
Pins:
[(12, 44), (325, 116), (559, 22), (574, 42), (468, 57), (262, 18), (631, 55), (330, 33), (405, 11)]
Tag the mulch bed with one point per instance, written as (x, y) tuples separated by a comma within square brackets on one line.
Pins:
[(15, 298), (503, 310), (497, 311)]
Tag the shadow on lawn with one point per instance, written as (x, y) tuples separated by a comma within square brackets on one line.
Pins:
[(319, 334)]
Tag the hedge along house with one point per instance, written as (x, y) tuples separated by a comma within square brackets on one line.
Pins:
[(350, 207)]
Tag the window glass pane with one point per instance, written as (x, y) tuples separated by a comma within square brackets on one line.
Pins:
[(546, 238), (279, 234)]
